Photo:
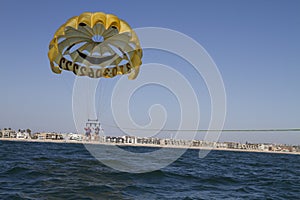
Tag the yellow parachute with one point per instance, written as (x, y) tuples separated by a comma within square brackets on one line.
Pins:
[(96, 45)]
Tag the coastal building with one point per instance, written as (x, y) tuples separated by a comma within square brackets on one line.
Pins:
[(196, 143), (8, 133), (114, 139), (264, 147), (251, 146), (233, 145), (22, 135), (222, 145), (129, 139), (49, 136), (75, 136)]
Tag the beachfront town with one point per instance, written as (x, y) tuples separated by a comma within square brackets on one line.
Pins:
[(27, 135)]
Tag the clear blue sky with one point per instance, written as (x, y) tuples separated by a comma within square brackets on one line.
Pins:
[(255, 44)]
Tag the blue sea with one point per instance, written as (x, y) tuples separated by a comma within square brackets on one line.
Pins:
[(69, 171)]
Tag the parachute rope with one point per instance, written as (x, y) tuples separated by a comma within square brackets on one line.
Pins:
[(95, 45), (210, 130)]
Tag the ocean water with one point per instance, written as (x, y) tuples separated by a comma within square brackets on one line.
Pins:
[(68, 171)]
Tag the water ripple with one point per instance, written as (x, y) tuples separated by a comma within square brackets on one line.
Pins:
[(68, 171)]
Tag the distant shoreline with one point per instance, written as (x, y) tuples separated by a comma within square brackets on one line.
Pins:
[(145, 145)]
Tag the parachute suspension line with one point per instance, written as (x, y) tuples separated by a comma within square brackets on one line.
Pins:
[(88, 47), (105, 102), (92, 95), (102, 104), (86, 103), (205, 130), (102, 100), (89, 100)]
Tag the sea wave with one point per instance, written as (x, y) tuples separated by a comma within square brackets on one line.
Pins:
[(68, 171)]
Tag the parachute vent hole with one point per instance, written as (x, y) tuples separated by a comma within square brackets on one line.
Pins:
[(98, 38)]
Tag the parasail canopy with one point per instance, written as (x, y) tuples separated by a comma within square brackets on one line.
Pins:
[(96, 45)]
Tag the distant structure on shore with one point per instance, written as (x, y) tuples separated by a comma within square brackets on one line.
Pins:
[(9, 134), (26, 134)]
